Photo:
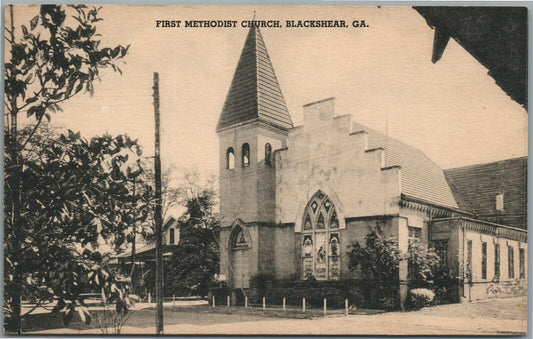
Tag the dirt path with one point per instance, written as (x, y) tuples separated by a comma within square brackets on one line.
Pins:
[(504, 316)]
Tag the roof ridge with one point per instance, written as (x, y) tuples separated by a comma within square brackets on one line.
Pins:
[(485, 163)]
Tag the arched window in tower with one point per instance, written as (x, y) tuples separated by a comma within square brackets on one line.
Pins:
[(320, 239), (239, 241), (268, 154), (230, 158), (245, 155)]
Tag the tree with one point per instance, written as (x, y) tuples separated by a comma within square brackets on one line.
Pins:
[(170, 199), (378, 262), (78, 206), (55, 59), (191, 268)]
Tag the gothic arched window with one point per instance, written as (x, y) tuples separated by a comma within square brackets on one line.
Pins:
[(268, 154), (245, 155), (230, 158), (320, 239)]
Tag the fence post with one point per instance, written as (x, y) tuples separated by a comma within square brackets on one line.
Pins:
[(213, 301), (149, 298), (264, 303), (173, 301), (246, 302), (325, 305), (228, 299), (303, 304), (284, 303), (346, 306)]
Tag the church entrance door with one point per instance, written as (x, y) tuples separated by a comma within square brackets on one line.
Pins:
[(239, 265)]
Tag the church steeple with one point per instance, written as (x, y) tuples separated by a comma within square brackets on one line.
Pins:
[(254, 94)]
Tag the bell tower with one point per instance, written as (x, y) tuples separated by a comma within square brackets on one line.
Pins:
[(253, 124)]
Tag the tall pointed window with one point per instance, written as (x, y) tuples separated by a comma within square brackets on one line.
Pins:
[(230, 158), (320, 239), (245, 155)]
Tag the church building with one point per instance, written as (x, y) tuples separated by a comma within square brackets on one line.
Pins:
[(293, 199)]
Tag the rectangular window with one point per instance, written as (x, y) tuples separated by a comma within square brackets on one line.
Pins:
[(483, 260), (496, 261), (522, 257), (510, 259), (172, 234), (414, 234), (469, 260)]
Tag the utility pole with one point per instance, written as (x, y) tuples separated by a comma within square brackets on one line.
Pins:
[(17, 198), (158, 217)]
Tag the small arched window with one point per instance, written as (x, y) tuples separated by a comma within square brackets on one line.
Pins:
[(245, 155), (268, 154), (230, 158)]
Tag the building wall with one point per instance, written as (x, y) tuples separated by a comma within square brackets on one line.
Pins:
[(285, 252), (492, 285), (459, 233)]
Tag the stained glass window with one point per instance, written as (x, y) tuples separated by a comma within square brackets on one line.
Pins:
[(334, 221), (320, 223), (320, 247), (307, 222)]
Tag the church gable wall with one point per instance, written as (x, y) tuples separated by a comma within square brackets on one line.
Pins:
[(324, 153)]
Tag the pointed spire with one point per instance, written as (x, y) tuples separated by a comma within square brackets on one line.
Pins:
[(254, 93)]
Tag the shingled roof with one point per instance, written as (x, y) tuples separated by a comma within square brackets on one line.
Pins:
[(421, 178), (476, 187), (254, 93)]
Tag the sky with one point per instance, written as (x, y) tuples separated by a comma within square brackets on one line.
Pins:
[(382, 75)]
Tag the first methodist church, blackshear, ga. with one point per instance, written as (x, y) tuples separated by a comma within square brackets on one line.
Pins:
[(293, 199)]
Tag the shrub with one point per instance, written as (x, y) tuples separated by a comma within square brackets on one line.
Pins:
[(261, 280), (420, 297), (378, 263), (424, 265)]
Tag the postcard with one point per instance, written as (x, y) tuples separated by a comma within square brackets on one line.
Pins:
[(265, 169)]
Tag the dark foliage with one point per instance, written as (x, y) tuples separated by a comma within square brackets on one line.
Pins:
[(378, 262), (76, 197), (49, 63)]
